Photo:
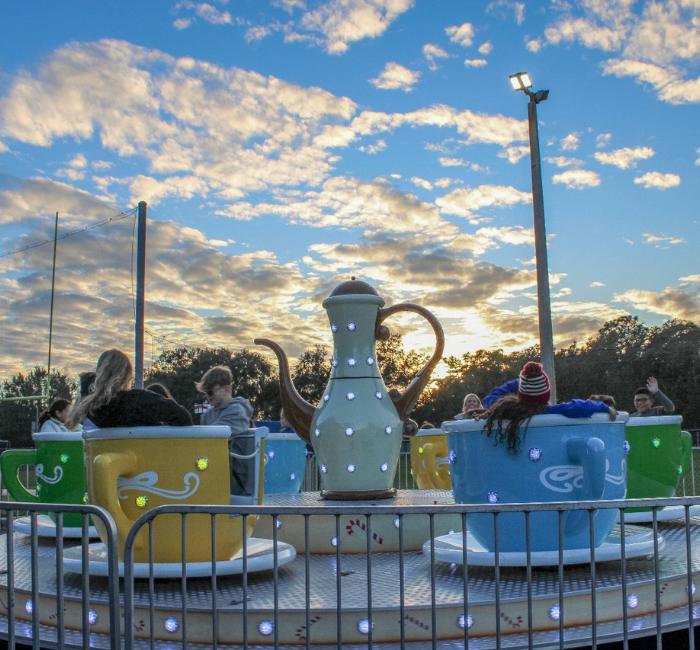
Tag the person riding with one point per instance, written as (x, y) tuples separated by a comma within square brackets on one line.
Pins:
[(512, 409), (645, 397), (114, 403)]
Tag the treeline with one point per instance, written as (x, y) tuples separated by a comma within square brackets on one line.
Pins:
[(615, 361)]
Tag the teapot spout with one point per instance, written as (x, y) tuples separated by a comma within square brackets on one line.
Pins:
[(297, 410)]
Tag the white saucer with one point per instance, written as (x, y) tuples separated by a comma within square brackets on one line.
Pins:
[(663, 514), (448, 548), (46, 527), (260, 558)]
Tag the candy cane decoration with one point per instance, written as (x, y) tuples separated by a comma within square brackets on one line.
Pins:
[(362, 526)]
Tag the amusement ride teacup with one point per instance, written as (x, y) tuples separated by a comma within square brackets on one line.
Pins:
[(285, 463), (59, 466), (429, 462), (560, 459), (659, 455), (132, 470)]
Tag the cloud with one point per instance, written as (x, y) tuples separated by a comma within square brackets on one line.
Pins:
[(202, 10), (515, 153), (658, 46), (461, 34), (596, 284), (577, 179), (658, 180), (465, 202), (624, 158), (659, 241), (603, 140), (533, 45), (341, 22), (346, 203), (570, 142), (451, 162), (690, 278), (697, 160), (396, 77), (672, 302), (421, 182), (504, 8), (374, 148), (563, 161), (475, 63), (432, 52), (196, 292), (486, 48)]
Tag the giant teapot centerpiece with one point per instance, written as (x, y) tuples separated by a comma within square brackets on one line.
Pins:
[(357, 428)]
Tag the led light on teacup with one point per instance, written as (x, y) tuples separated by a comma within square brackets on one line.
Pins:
[(65, 458), (141, 501), (202, 463)]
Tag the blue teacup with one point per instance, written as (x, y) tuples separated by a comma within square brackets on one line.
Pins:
[(560, 459), (285, 462)]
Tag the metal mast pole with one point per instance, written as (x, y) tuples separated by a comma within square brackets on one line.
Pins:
[(140, 294), (47, 390), (543, 299)]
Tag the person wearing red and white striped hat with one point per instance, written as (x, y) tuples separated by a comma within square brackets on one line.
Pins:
[(516, 401)]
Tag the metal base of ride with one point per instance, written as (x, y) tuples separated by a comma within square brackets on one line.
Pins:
[(411, 599), (351, 532)]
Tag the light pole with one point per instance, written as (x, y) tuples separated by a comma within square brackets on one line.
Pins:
[(521, 82)]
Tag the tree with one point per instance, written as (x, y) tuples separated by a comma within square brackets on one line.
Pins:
[(179, 369), (16, 417), (397, 366), (311, 373)]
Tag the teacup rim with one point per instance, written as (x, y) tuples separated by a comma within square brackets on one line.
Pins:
[(640, 420), (545, 420), (429, 432), (282, 435), (57, 436), (200, 431)]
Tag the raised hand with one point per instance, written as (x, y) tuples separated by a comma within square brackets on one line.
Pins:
[(612, 413), (653, 385)]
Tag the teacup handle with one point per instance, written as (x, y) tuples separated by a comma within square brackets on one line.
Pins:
[(406, 402), (106, 470), (590, 454), (686, 451), (430, 460), (10, 462)]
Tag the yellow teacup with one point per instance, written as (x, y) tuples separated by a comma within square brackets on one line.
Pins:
[(131, 470), (429, 462)]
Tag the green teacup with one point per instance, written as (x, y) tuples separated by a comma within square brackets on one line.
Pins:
[(59, 465), (659, 456)]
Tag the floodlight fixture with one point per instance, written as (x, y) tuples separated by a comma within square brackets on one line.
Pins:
[(520, 81)]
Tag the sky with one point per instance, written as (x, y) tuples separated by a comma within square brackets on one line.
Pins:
[(284, 146)]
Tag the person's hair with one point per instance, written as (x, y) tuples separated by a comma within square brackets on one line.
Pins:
[(56, 406), (216, 376), (87, 383), (643, 390), (475, 396), (114, 374), (606, 399), (505, 417), (157, 387)]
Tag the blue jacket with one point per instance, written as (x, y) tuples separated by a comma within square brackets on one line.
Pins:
[(576, 408)]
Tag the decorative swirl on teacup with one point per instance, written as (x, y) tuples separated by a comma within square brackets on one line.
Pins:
[(147, 482), (566, 478), (562, 478), (618, 479), (57, 474)]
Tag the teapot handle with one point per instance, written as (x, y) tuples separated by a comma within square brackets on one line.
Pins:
[(406, 402)]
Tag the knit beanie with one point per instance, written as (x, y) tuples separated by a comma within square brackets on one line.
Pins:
[(533, 384)]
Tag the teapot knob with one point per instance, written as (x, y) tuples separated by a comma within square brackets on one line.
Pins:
[(382, 333)]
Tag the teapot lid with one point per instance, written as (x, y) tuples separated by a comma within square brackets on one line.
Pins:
[(353, 286)]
